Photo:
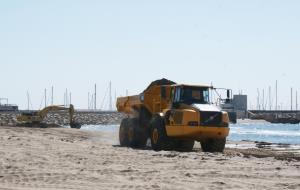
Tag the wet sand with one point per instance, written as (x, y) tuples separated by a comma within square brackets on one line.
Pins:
[(58, 158)]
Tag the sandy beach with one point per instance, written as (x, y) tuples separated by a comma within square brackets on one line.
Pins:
[(59, 158)]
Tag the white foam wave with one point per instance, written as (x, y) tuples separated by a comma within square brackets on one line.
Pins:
[(265, 132)]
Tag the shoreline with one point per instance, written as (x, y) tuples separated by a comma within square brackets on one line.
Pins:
[(62, 158)]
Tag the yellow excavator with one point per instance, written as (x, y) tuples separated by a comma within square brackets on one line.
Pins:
[(35, 119)]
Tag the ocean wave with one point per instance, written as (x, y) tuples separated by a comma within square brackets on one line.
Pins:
[(266, 132)]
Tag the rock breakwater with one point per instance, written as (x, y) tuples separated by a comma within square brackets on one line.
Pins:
[(85, 118)]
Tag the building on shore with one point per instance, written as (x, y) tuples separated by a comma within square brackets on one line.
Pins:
[(240, 104), (236, 107)]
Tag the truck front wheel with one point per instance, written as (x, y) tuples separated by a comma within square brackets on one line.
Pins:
[(213, 145), (159, 139)]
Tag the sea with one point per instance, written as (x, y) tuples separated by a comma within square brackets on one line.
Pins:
[(261, 132)]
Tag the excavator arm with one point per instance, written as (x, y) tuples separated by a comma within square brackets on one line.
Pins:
[(39, 116), (44, 112)]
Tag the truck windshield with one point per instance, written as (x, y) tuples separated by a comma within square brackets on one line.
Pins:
[(191, 95)]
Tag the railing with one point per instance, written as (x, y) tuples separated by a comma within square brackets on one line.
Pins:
[(8, 105)]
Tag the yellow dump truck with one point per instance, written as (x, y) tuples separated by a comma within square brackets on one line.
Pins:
[(173, 116)]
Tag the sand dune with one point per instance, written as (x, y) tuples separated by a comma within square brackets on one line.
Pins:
[(72, 159)]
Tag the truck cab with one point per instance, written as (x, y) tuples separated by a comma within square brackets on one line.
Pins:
[(192, 115)]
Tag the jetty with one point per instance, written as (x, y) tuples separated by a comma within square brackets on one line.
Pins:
[(275, 116)]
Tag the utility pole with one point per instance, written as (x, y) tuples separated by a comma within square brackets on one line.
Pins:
[(45, 97), (110, 97), (52, 95), (276, 95), (95, 96)]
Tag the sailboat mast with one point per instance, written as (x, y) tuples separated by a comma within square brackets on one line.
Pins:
[(276, 106), (291, 99), (45, 97)]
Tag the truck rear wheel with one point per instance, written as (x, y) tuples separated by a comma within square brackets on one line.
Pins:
[(123, 133), (213, 145), (158, 135), (184, 145), (137, 136)]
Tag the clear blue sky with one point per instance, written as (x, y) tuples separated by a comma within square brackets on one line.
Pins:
[(243, 45)]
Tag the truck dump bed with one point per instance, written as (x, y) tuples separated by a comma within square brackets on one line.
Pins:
[(126, 104), (149, 99)]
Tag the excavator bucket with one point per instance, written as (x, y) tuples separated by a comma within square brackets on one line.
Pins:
[(75, 125)]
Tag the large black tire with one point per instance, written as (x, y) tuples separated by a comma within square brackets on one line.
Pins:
[(123, 133), (137, 136), (184, 145), (213, 145), (158, 135), (75, 125)]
